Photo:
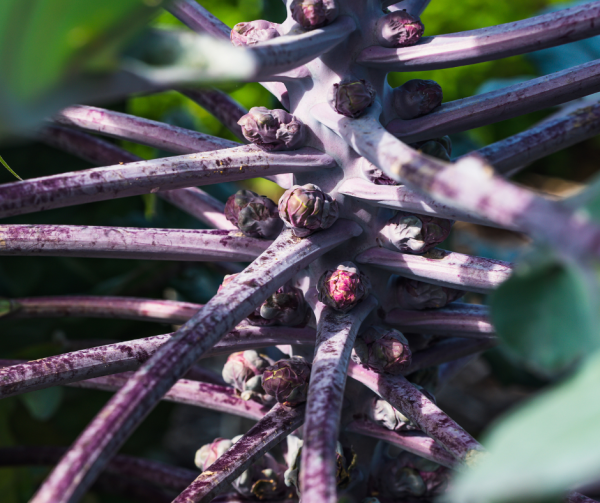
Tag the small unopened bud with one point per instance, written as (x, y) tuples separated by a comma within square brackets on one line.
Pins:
[(253, 32), (287, 380), (243, 370), (352, 97), (381, 412), (256, 216), (306, 209), (263, 480), (383, 350), (374, 174), (344, 287), (399, 29), (272, 129), (311, 14), (285, 307), (209, 453), (416, 98), (416, 233), (413, 294)]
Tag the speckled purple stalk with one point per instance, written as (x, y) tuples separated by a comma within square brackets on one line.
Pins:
[(336, 333), (221, 106), (146, 470), (488, 44), (441, 267), (100, 184), (510, 155), (470, 184), (404, 199), (196, 17), (420, 410), (502, 104), (277, 424), (578, 498), (285, 257), (129, 243), (413, 7), (448, 350), (416, 442), (456, 319), (176, 140), (103, 153)]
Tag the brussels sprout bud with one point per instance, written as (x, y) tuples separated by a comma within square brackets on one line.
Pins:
[(343, 288), (416, 98), (208, 454), (287, 381), (263, 480), (352, 97), (285, 307), (399, 29), (242, 370), (416, 233), (272, 129), (256, 216), (383, 350), (374, 174), (311, 14), (253, 32), (306, 209), (381, 412), (413, 294)]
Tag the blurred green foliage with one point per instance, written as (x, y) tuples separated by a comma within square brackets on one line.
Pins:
[(56, 418)]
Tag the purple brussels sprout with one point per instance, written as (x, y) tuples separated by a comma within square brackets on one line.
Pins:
[(416, 98), (263, 480), (285, 307), (287, 380), (344, 287), (383, 350), (253, 32), (413, 294), (374, 174), (306, 209), (256, 216), (272, 129), (351, 97), (416, 233), (399, 29), (243, 371), (208, 454), (382, 413), (311, 14)]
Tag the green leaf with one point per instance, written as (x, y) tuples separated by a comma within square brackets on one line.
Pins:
[(43, 403), (4, 163), (546, 314), (543, 448)]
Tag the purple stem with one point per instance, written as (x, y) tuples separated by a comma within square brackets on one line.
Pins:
[(221, 105), (336, 333), (420, 410), (515, 152), (413, 7), (578, 498), (470, 184), (103, 153), (100, 184), (401, 198), (129, 243), (277, 424), (441, 267), (503, 104), (116, 421), (488, 44), (145, 470), (173, 139), (415, 442)]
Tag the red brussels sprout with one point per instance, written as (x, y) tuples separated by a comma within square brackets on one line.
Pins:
[(343, 288), (413, 294), (253, 32), (383, 350), (306, 209), (311, 14), (285, 307), (399, 29), (243, 370), (287, 380), (208, 453), (416, 98), (256, 216), (352, 97), (272, 129), (416, 233)]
